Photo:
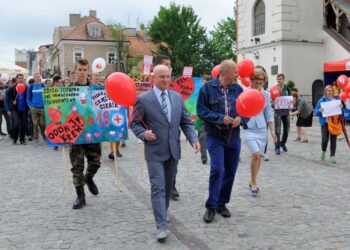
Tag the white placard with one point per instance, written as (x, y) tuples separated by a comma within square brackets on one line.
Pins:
[(188, 71), (147, 59), (147, 69), (331, 108), (284, 102)]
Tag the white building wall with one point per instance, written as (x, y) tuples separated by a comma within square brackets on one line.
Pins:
[(294, 40)]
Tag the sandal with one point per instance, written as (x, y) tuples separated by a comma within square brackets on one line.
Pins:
[(304, 140), (297, 139)]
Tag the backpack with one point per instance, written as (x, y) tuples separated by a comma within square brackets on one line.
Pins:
[(334, 125)]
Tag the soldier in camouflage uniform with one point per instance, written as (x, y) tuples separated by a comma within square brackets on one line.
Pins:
[(77, 152)]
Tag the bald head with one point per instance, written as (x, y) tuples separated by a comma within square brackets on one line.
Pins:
[(228, 72), (161, 76)]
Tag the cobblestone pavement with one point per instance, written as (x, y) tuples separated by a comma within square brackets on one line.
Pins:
[(303, 204)]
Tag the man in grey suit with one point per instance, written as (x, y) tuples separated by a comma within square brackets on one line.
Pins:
[(157, 116)]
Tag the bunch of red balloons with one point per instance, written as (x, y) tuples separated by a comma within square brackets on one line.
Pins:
[(343, 83), (250, 103), (121, 89)]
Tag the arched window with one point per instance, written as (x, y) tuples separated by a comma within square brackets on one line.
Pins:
[(259, 18)]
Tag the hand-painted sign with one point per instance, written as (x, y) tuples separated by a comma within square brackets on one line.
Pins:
[(81, 115)]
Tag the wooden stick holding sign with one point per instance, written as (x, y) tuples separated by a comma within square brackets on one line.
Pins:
[(117, 175)]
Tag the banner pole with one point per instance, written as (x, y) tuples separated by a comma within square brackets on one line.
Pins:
[(117, 176)]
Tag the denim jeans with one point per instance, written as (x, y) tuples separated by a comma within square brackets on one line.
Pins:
[(19, 124), (224, 159)]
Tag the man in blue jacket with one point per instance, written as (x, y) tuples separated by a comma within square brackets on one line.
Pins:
[(216, 106), (36, 103), (19, 109)]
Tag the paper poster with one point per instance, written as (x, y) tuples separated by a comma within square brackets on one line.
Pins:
[(82, 115), (143, 83), (284, 102), (147, 64), (187, 72), (331, 108)]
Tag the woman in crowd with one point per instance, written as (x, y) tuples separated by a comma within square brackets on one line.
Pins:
[(255, 133), (304, 112), (326, 135)]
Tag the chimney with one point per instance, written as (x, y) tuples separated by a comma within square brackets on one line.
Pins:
[(74, 20), (93, 13)]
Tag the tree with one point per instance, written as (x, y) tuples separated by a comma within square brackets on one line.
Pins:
[(177, 33), (223, 39), (117, 32)]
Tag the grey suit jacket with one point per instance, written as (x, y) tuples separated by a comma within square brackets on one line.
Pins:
[(167, 143)]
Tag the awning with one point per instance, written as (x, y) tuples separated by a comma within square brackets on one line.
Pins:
[(337, 66)]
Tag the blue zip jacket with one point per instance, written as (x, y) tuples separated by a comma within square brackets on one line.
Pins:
[(211, 109), (35, 96), (323, 120)]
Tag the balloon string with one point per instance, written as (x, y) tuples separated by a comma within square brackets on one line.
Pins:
[(229, 137), (144, 124)]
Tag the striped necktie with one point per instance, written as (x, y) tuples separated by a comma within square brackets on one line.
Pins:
[(165, 105)]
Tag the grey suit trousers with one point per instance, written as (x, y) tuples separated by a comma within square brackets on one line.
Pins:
[(161, 175)]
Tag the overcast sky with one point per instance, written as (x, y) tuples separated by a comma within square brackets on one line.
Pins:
[(29, 24)]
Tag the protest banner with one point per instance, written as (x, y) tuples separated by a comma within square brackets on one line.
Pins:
[(143, 83), (82, 115), (284, 102), (187, 71), (331, 108)]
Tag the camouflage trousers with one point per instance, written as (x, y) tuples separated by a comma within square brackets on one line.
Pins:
[(92, 152)]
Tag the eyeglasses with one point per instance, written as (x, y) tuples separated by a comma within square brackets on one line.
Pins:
[(258, 79)]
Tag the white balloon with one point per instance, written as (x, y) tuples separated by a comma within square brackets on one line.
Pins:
[(4, 78), (98, 65)]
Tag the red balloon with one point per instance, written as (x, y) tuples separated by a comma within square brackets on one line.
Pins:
[(215, 71), (343, 96), (347, 88), (245, 68), (250, 103), (275, 92), (245, 81), (20, 88), (342, 81), (121, 89)]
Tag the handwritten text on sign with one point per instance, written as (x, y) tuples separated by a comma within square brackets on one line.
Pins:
[(331, 108), (284, 102)]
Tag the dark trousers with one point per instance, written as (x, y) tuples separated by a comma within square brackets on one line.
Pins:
[(224, 159), (77, 153), (161, 176), (325, 138), (3, 112), (19, 125), (29, 129), (285, 120)]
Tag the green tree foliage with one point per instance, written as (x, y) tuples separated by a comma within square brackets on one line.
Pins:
[(117, 32), (178, 34)]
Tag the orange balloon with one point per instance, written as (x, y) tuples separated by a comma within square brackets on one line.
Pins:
[(121, 89), (250, 103), (343, 96)]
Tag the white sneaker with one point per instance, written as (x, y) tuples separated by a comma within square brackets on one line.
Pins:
[(162, 234)]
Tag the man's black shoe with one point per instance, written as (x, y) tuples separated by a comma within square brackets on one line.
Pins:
[(91, 185), (209, 215), (277, 151), (284, 148), (174, 194), (23, 143), (223, 211), (1, 133), (80, 200), (204, 161)]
